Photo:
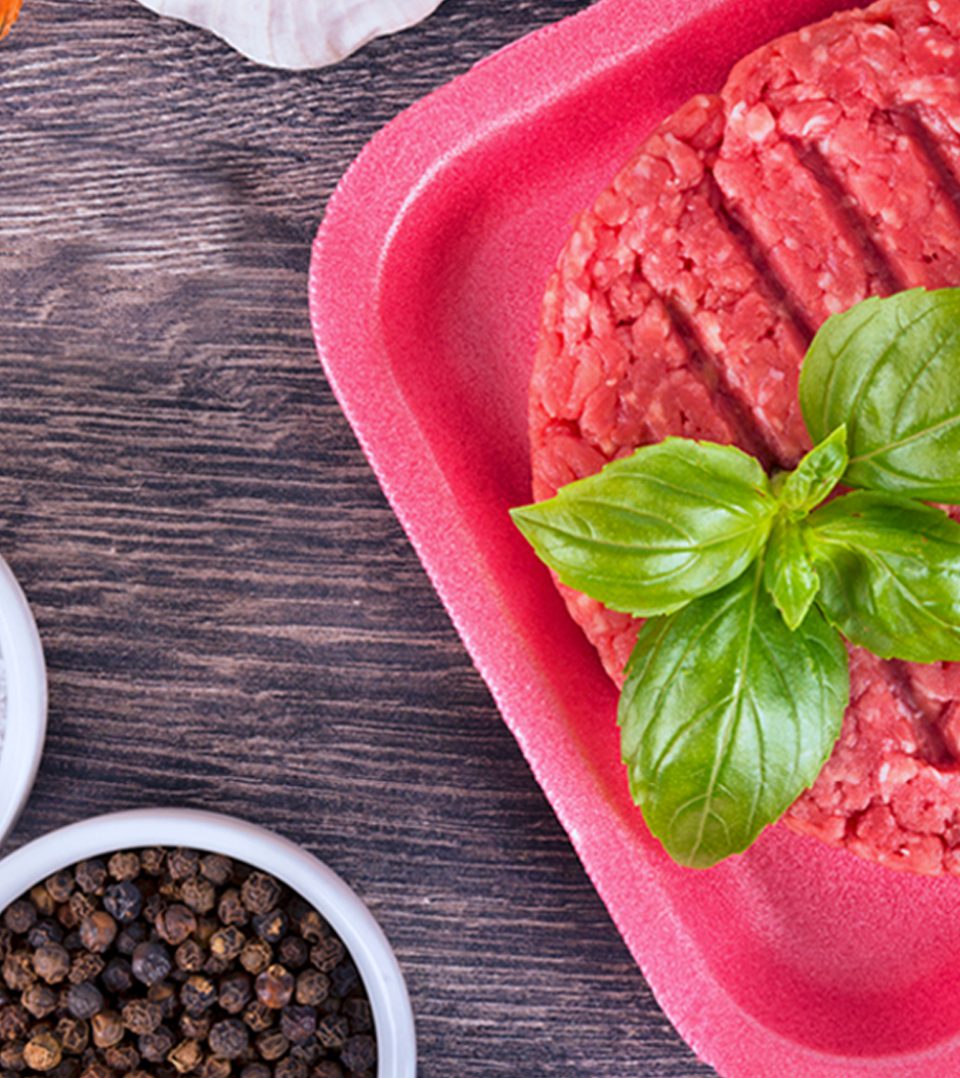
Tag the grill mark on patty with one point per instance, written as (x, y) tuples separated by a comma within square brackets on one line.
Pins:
[(913, 124), (753, 250), (846, 205), (888, 180), (707, 367), (734, 326)]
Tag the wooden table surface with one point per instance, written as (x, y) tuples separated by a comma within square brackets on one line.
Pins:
[(233, 619)]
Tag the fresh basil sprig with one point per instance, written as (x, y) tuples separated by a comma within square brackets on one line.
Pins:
[(653, 531), (888, 369), (723, 713), (735, 691), (890, 575)]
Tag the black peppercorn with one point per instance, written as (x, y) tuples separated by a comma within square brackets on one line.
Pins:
[(195, 1026), (97, 931), (227, 943), (256, 956), (271, 926), (186, 1057), (189, 956), (11, 1056), (176, 923), (85, 967), (106, 1029), (43, 1052), (153, 861), (197, 994), (151, 962), (229, 1039), (123, 901), (313, 987), (293, 952), (183, 863), (91, 876), (71, 939), (344, 978), (130, 936), (44, 932), (39, 1000), (18, 971), (124, 866), (199, 894), (166, 996), (275, 987), (258, 1017), (155, 1046), (309, 1052), (297, 1023), (272, 1044), (235, 992), (327, 954), (117, 976), (84, 1000), (216, 868), (153, 906), (332, 1031), (327, 1068), (20, 916), (14, 1022), (42, 900), (359, 1053), (260, 893), (206, 926), (73, 1034), (312, 926), (51, 962), (141, 1016), (122, 1057), (60, 885), (231, 910), (80, 906), (358, 1013)]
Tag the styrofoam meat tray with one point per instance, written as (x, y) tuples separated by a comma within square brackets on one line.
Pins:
[(427, 275)]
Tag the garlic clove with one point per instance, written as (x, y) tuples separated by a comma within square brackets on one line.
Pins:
[(297, 34)]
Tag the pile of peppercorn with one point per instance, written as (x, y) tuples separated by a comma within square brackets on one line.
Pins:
[(172, 962)]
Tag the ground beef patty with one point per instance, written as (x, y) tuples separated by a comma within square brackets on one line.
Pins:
[(826, 171)]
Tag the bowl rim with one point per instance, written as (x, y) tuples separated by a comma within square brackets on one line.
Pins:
[(301, 871), (24, 713)]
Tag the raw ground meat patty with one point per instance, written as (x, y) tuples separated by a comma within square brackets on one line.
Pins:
[(826, 171)]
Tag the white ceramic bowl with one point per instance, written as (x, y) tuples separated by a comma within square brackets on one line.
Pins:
[(24, 724), (303, 873)]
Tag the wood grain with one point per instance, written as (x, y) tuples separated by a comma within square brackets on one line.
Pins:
[(232, 616)]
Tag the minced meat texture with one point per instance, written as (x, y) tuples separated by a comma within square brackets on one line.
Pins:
[(826, 171)]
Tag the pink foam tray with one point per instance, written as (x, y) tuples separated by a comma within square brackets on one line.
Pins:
[(793, 959)]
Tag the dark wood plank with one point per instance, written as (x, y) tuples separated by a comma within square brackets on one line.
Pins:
[(211, 561)]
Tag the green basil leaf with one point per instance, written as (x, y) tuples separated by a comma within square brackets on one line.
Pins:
[(726, 717), (816, 475), (890, 369), (789, 574), (890, 575), (654, 530)]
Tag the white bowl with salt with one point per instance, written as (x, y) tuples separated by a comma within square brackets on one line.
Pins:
[(23, 700)]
